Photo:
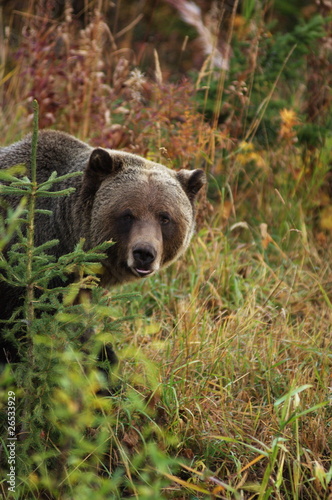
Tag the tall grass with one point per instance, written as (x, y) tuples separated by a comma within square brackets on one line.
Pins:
[(224, 383)]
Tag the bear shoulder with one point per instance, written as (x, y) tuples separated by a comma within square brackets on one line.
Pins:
[(56, 151)]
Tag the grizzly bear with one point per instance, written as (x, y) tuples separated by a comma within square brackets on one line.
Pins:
[(144, 207)]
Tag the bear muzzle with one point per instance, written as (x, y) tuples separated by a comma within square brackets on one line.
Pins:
[(144, 260)]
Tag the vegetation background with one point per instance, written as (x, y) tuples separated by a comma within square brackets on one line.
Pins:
[(224, 384)]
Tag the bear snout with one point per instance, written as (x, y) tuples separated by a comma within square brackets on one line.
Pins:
[(144, 255)]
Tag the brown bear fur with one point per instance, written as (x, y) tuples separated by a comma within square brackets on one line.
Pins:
[(144, 207)]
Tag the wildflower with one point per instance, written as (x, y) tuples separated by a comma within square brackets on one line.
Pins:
[(288, 121)]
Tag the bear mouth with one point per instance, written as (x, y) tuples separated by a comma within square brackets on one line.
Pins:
[(142, 273)]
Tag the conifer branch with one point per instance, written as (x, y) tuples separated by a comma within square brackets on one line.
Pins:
[(31, 218)]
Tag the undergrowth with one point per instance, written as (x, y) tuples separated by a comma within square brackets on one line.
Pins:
[(223, 389)]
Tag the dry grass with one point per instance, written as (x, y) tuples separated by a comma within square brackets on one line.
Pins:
[(245, 366)]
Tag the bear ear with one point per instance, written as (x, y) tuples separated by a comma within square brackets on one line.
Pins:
[(101, 164), (191, 181)]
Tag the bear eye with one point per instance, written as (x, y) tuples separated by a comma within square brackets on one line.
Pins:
[(164, 219), (127, 216)]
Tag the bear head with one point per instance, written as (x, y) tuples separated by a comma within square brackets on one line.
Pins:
[(144, 207)]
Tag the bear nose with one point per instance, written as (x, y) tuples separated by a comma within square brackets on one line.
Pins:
[(144, 255)]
